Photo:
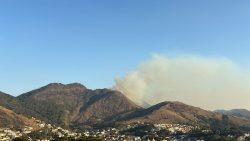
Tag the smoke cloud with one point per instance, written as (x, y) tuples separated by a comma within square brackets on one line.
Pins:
[(210, 83)]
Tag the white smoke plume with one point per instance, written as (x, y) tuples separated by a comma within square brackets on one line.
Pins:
[(210, 83)]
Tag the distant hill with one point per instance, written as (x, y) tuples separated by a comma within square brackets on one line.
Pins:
[(75, 105), (236, 112), (178, 113), (10, 119)]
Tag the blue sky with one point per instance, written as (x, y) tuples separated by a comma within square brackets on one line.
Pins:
[(93, 41)]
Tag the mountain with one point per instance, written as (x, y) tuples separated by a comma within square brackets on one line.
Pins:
[(10, 119), (75, 105), (236, 112), (177, 113)]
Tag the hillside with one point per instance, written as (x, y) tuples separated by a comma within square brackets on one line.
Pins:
[(12, 120), (177, 112), (74, 104)]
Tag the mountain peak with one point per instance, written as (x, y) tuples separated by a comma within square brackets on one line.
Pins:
[(53, 90), (61, 85), (55, 84)]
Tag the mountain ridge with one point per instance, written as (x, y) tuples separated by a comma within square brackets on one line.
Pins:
[(180, 113), (75, 106), (72, 104), (243, 113)]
